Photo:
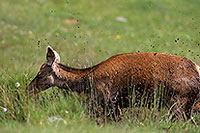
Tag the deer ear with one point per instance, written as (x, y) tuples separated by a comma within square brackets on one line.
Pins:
[(52, 56)]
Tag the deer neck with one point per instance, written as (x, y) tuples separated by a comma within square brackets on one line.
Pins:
[(71, 78)]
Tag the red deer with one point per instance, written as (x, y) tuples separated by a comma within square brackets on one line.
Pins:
[(112, 78)]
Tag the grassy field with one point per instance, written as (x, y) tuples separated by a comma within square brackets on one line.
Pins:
[(85, 33)]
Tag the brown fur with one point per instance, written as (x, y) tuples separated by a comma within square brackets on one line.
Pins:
[(113, 77)]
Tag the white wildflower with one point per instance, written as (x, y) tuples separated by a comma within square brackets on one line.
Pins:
[(4, 109), (121, 19), (17, 84)]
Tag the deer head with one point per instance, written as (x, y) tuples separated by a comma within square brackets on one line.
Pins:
[(46, 76)]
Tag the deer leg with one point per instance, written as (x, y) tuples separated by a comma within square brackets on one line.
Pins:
[(113, 107), (180, 109)]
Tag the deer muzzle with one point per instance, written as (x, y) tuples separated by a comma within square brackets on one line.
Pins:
[(32, 89)]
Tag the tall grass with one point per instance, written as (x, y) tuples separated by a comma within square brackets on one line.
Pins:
[(24, 109), (75, 108)]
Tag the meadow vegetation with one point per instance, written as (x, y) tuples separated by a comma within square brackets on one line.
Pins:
[(85, 33)]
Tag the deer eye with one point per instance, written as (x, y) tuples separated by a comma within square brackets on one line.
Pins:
[(39, 74)]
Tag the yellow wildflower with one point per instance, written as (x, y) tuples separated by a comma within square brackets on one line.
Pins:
[(118, 36), (57, 34)]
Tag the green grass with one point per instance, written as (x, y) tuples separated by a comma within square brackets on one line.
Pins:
[(27, 27)]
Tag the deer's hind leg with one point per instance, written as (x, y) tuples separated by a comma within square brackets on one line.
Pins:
[(180, 108)]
